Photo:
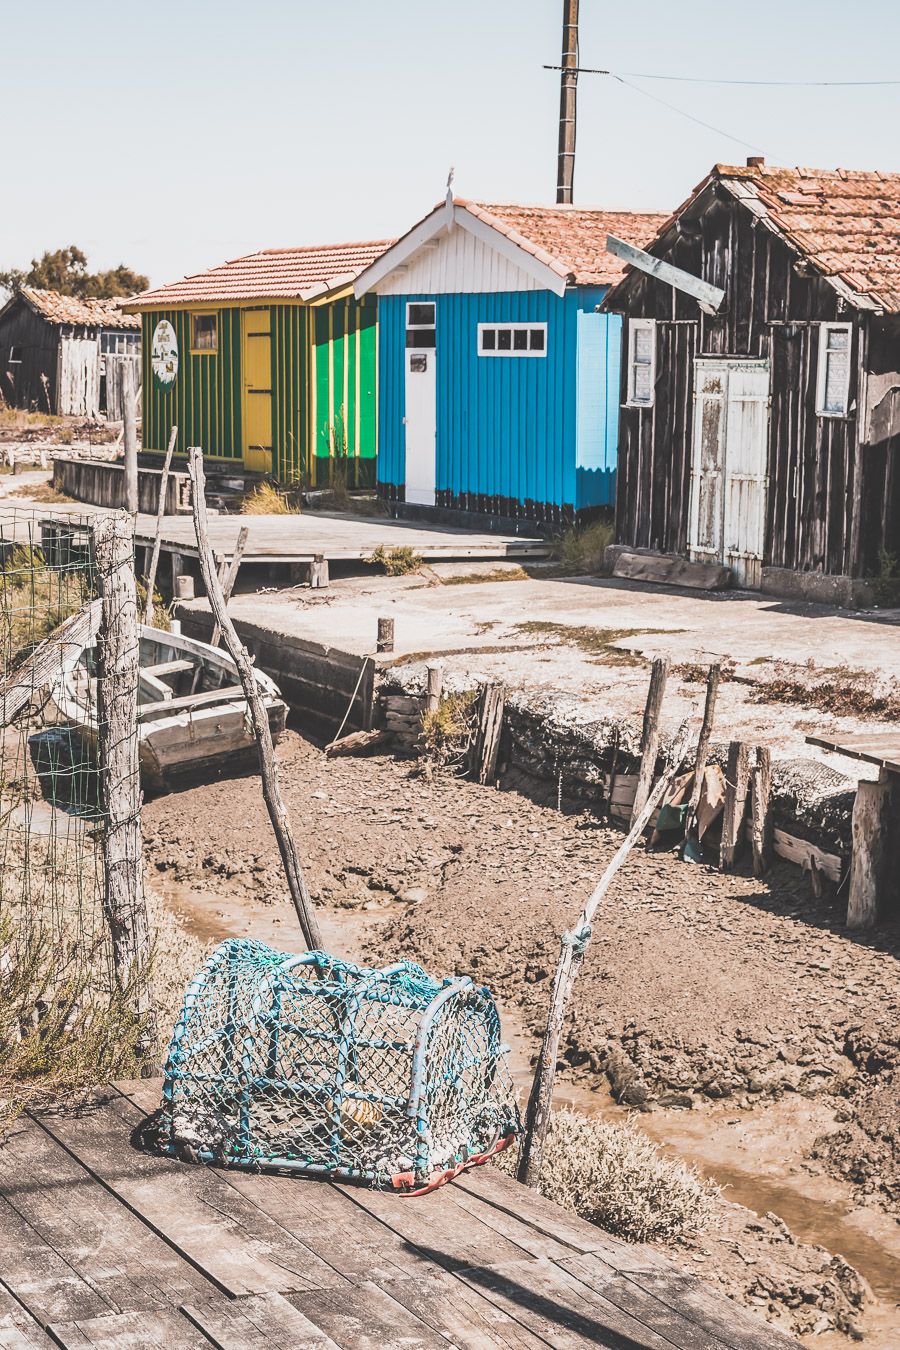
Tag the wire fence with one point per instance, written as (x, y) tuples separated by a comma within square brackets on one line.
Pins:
[(65, 1018)]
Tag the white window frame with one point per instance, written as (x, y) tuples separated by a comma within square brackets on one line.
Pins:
[(418, 327), (822, 373), (634, 327), (512, 328)]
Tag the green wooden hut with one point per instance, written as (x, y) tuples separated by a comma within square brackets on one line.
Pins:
[(268, 362)]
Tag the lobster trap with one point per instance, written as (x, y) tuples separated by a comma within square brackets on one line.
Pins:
[(313, 1065)]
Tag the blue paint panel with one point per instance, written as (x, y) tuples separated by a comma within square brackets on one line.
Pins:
[(599, 364), (537, 430)]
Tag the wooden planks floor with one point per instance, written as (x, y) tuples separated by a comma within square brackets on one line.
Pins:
[(107, 1246)]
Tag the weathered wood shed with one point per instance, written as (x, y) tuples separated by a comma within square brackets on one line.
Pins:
[(498, 376), (63, 355), (762, 430), (267, 362)]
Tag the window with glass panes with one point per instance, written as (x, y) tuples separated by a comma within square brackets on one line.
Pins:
[(833, 385), (512, 339), (641, 361)]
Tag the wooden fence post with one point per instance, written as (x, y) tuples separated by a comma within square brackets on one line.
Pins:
[(278, 813), (384, 641), (762, 812), (709, 712), (873, 867), (434, 683), (650, 734), (571, 956), (160, 512), (486, 746), (737, 782), (117, 738), (129, 426)]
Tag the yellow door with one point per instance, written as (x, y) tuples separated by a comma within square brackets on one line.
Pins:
[(256, 352)]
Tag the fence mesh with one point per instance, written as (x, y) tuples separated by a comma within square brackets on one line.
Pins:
[(312, 1064), (63, 1020)]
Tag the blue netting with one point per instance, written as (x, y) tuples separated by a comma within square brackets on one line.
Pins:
[(315, 1065)]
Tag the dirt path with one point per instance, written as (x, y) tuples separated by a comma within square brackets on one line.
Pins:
[(710, 991)]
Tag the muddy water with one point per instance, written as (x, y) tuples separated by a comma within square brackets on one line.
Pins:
[(747, 1153)]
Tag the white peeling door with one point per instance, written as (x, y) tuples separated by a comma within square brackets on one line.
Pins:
[(421, 402), (728, 469)]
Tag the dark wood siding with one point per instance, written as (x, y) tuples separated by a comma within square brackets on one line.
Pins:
[(20, 382), (771, 310)]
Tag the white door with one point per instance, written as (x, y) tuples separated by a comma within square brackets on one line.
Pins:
[(728, 469), (421, 402)]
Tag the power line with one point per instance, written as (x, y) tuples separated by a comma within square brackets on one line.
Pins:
[(681, 112), (708, 79)]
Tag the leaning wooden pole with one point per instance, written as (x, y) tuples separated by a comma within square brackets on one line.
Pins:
[(278, 813), (160, 512), (120, 783), (129, 427), (572, 953), (709, 713)]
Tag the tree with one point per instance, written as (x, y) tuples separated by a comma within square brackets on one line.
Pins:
[(65, 270)]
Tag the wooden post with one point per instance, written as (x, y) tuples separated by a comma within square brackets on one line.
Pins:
[(709, 712), (318, 572), (117, 742), (737, 782), (160, 512), (231, 577), (763, 835), (385, 640), (278, 813), (491, 706), (433, 685), (129, 424), (572, 953), (177, 563), (650, 734), (873, 867)]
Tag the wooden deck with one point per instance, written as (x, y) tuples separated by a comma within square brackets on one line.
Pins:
[(876, 747), (103, 1245), (299, 538)]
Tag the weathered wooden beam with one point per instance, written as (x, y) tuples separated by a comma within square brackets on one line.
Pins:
[(278, 812), (709, 297), (491, 707), (157, 534), (231, 576), (44, 665), (650, 733), (356, 741), (737, 784), (384, 641), (118, 651), (129, 423), (709, 712)]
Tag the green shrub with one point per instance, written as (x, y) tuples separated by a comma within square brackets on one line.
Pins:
[(397, 562), (582, 549)]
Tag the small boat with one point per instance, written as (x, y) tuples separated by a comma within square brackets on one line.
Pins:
[(193, 717)]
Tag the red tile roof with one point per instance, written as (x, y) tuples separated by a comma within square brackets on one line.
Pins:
[(271, 274), (62, 309), (570, 239), (845, 222)]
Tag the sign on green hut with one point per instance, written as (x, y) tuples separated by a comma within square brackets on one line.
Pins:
[(267, 361)]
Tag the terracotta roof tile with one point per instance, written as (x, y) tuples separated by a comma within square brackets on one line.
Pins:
[(571, 239), (271, 274), (845, 222), (61, 309)]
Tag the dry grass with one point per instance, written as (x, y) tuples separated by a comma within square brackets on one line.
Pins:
[(496, 574), (581, 550), (448, 730), (596, 642), (45, 493), (843, 692), (614, 1176), (396, 562), (34, 599), (266, 500)]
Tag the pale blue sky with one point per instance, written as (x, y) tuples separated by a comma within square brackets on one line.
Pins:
[(172, 134)]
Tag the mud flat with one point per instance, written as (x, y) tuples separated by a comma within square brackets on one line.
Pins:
[(724, 1008)]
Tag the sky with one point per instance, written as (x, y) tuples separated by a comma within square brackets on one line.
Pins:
[(173, 134)]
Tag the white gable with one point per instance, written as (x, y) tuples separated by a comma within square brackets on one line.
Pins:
[(457, 262)]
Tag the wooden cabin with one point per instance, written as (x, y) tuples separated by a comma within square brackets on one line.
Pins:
[(267, 362), (760, 419), (67, 356), (498, 375)]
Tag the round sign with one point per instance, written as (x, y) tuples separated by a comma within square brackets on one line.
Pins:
[(164, 352)]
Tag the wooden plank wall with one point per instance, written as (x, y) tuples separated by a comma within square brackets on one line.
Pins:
[(770, 312)]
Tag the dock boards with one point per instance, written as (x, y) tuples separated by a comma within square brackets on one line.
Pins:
[(105, 1245)]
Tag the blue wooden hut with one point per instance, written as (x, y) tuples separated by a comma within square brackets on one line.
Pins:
[(498, 376)]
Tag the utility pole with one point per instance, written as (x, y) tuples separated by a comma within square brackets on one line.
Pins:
[(568, 81)]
